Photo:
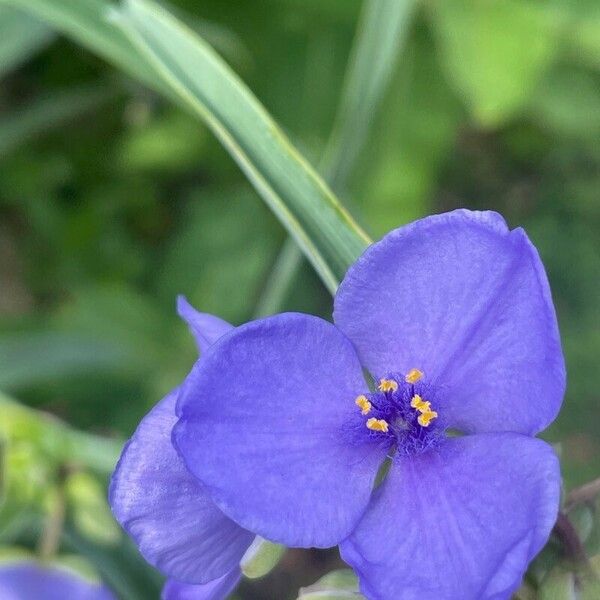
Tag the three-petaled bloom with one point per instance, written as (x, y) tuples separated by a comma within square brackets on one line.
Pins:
[(453, 319)]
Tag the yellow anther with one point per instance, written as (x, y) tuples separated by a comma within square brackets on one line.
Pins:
[(377, 424), (426, 418), (363, 404), (413, 376), (387, 385), (419, 404)]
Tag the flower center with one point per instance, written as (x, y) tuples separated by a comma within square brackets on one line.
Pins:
[(400, 414)]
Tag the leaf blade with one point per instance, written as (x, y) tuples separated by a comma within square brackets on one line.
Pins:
[(292, 189)]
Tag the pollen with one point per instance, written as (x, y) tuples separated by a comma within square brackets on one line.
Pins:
[(419, 404), (377, 425), (387, 385), (363, 404), (413, 376), (426, 418)]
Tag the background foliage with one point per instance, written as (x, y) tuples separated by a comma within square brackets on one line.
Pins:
[(115, 197)]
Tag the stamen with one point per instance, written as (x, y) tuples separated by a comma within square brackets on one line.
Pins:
[(387, 385), (413, 376), (419, 404), (426, 418), (377, 425), (363, 404)]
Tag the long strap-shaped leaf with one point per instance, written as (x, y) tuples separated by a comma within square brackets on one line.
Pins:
[(380, 36), (296, 194), (163, 53)]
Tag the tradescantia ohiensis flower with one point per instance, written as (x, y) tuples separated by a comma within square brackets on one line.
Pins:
[(25, 579), (166, 510), (452, 317)]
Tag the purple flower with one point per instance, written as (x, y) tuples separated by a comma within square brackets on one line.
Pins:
[(452, 317), (215, 590), (25, 579), (163, 507)]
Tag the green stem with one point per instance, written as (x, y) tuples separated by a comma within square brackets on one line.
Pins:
[(49, 541)]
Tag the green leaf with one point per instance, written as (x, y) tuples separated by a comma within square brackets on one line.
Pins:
[(89, 509), (122, 567), (261, 558), (46, 113), (567, 102), (525, 592), (32, 434), (85, 22), (73, 564), (415, 136), (380, 37), (559, 584), (292, 189), (494, 52), (581, 31), (30, 358), (337, 585), (169, 143), (173, 60), (225, 244), (21, 36), (590, 582)]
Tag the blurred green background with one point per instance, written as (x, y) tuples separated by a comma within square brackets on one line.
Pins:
[(113, 201)]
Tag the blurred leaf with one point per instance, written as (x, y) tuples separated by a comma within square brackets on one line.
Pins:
[(30, 358), (417, 131), (46, 113), (14, 553), (582, 518), (525, 592), (89, 509), (550, 556), (121, 567), (380, 37), (582, 29), (589, 493), (567, 102), (295, 193), (122, 317), (338, 9), (219, 256), (494, 52), (559, 584), (85, 21), (44, 442), (78, 565), (168, 143), (278, 284), (69, 562), (590, 583), (337, 585), (261, 558), (21, 36)]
